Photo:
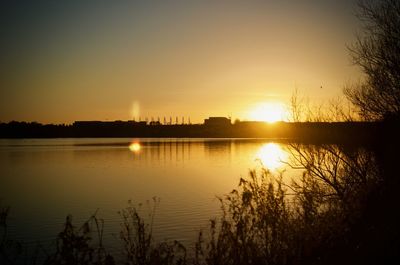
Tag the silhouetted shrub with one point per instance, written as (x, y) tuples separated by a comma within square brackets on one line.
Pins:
[(324, 217), (377, 52), (267, 221), (139, 245), (77, 246)]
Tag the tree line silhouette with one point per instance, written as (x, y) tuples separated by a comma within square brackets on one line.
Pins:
[(344, 209), (328, 132)]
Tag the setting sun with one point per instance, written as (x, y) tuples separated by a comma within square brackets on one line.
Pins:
[(268, 112)]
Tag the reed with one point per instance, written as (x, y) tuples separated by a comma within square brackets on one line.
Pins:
[(322, 218)]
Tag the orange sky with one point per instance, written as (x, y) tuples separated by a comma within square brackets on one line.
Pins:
[(66, 62)]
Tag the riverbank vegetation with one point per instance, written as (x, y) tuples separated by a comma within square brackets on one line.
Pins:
[(343, 210), (336, 213)]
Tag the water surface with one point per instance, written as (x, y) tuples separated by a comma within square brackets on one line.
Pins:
[(44, 180)]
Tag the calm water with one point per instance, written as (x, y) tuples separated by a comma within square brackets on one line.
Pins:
[(43, 180)]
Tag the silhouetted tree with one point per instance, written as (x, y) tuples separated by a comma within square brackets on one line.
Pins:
[(377, 52)]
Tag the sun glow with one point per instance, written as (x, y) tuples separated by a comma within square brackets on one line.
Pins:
[(272, 156), (269, 112), (135, 147)]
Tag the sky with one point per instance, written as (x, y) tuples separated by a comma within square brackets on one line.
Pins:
[(63, 61)]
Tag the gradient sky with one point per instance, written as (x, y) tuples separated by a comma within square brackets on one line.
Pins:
[(105, 60)]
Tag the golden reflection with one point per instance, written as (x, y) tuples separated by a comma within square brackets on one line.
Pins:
[(135, 147), (272, 156)]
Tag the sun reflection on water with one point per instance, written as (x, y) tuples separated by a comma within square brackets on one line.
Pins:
[(272, 156), (135, 147)]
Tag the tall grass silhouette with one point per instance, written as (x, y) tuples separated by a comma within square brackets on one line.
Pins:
[(267, 221), (319, 218)]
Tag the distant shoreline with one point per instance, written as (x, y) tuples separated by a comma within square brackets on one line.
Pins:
[(324, 132)]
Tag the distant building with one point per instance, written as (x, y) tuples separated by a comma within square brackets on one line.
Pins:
[(217, 121), (87, 123), (108, 123)]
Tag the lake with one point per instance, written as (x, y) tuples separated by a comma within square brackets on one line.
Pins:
[(44, 180)]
